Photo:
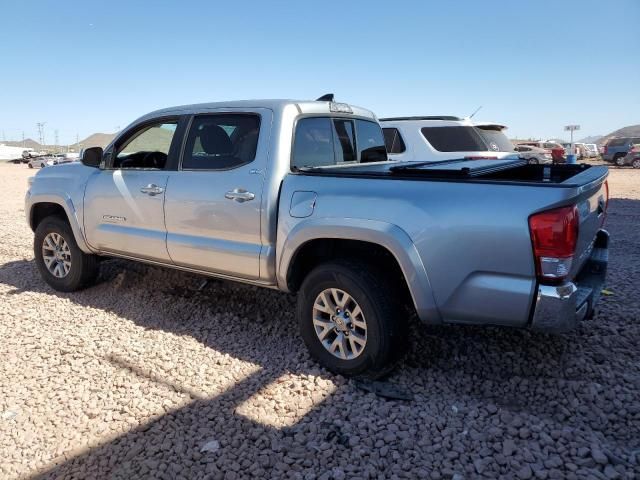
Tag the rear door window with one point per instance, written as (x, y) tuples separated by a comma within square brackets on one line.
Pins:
[(617, 142), (221, 141), (393, 140)]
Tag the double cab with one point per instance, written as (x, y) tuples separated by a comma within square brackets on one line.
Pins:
[(300, 196)]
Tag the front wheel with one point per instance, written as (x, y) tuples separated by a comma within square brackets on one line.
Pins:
[(350, 319), (59, 259), (30, 166), (636, 163), (533, 161), (620, 161)]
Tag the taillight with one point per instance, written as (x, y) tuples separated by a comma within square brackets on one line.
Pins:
[(604, 150), (554, 235)]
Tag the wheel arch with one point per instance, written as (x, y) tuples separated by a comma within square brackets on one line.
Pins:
[(42, 206), (315, 240)]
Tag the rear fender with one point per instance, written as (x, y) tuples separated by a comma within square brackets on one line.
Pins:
[(387, 235)]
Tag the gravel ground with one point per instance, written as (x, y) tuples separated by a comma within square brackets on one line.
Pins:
[(153, 373)]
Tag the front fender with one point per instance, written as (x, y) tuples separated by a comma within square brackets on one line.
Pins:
[(65, 201), (387, 235)]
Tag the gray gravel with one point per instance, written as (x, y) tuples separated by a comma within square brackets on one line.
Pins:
[(154, 374)]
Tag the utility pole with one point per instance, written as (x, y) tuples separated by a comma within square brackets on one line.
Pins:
[(55, 133), (40, 126), (23, 139)]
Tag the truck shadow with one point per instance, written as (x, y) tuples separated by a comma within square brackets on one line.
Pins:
[(471, 380)]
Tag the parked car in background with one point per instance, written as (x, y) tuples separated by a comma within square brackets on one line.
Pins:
[(548, 146), (533, 155), (30, 153), (633, 156), (617, 148), (433, 138), (41, 162), (299, 196), (591, 150), (49, 160), (554, 149)]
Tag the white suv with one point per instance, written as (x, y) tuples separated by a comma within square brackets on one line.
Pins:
[(433, 138)]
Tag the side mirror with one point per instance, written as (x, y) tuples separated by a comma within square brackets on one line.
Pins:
[(92, 157)]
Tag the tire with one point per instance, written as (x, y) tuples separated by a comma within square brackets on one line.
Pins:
[(636, 163), (619, 160), (30, 166), (83, 268), (533, 161), (42, 165), (381, 311)]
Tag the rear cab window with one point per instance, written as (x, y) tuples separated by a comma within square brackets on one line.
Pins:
[(330, 141)]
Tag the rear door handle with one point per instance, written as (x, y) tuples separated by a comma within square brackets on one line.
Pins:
[(239, 195), (152, 190)]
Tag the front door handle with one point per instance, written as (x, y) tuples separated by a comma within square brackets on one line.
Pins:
[(152, 189), (239, 195)]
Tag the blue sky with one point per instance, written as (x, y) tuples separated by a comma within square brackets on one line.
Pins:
[(89, 66)]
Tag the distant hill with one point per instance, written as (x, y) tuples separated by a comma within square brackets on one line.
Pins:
[(591, 139), (28, 143), (96, 140), (630, 131)]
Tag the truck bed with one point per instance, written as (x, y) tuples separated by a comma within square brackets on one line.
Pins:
[(468, 220), (508, 172)]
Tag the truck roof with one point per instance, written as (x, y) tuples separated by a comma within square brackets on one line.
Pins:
[(427, 117), (303, 106)]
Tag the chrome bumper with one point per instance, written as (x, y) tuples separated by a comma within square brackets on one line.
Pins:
[(560, 308)]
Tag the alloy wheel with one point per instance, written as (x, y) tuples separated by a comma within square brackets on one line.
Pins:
[(56, 255), (339, 324)]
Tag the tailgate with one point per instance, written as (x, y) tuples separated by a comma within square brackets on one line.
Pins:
[(591, 204)]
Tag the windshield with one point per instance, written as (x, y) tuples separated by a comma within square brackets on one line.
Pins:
[(466, 139)]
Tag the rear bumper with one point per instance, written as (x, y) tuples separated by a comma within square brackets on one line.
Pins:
[(560, 308)]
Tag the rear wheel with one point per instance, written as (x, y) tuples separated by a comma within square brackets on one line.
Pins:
[(59, 259), (636, 163), (533, 161), (30, 166), (42, 165), (350, 319)]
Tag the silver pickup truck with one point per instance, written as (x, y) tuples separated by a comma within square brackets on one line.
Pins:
[(299, 196)]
